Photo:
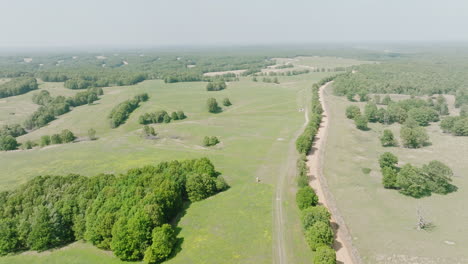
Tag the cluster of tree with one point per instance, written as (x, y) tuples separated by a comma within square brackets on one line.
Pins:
[(18, 86), (15, 130), (210, 141), (434, 177), (216, 85), (456, 125), (227, 102), (8, 142), (51, 107), (128, 214), (388, 139), (282, 73), (269, 80), (66, 136), (122, 111), (305, 140), (413, 135), (284, 66), (161, 117), (149, 132)]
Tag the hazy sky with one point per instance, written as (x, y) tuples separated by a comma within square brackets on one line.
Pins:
[(193, 22)]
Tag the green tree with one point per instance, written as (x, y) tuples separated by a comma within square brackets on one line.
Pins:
[(174, 116), (386, 100), (212, 106), (181, 115), (319, 234), (389, 177), (8, 143), (387, 159), (45, 141), (412, 135), (42, 234), (67, 136), (8, 236), (438, 176), (306, 197), (387, 139), (361, 122), (412, 182), (371, 112), (163, 242), (324, 255), (200, 186), (314, 214), (460, 127), (464, 110), (352, 111), (55, 139), (226, 102)]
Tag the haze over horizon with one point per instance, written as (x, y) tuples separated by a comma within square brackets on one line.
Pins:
[(54, 23)]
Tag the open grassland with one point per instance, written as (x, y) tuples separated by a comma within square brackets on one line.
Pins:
[(383, 222), (321, 62), (235, 226), (15, 109)]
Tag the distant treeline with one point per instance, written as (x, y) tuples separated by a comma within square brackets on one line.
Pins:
[(17, 86), (128, 214), (122, 111)]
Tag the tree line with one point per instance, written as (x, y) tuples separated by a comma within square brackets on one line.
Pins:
[(161, 116), (17, 86), (315, 219), (128, 214), (434, 177), (120, 113)]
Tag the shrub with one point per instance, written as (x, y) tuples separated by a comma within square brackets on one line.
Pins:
[(306, 197), (371, 112), (55, 139), (387, 139), (413, 137), (67, 136), (226, 102), (210, 141), (314, 214), (181, 115), (352, 111), (388, 160), (45, 140), (324, 255), (361, 122), (319, 234), (212, 106)]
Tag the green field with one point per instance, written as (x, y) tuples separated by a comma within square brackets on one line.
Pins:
[(383, 222)]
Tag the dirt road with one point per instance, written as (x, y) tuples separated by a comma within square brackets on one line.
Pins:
[(344, 251)]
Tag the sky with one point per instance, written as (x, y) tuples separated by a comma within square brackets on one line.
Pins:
[(143, 23)]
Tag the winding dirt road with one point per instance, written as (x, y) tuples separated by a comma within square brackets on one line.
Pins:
[(343, 245)]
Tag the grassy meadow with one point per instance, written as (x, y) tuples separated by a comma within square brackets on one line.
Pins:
[(383, 222), (256, 132)]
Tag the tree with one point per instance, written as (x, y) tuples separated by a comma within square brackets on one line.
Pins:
[(361, 122), (324, 255), (8, 236), (8, 143), (55, 139), (174, 116), (212, 106), (386, 100), (167, 119), (226, 102), (389, 178), (388, 160), (92, 134), (200, 186), (28, 144), (460, 127), (352, 111), (210, 141), (149, 131), (163, 242), (423, 115), (42, 235), (306, 197), (320, 234), (45, 141), (438, 176), (387, 139), (314, 214), (67, 136), (181, 115), (411, 182), (275, 80), (371, 112), (412, 135), (464, 110)]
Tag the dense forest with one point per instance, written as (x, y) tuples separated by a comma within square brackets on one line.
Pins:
[(17, 86), (128, 214)]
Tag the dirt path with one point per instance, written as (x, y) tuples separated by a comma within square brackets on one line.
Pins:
[(343, 245), (287, 170)]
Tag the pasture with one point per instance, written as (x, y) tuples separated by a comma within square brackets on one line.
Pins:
[(381, 221)]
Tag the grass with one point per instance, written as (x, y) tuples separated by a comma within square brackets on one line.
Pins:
[(383, 222), (232, 227)]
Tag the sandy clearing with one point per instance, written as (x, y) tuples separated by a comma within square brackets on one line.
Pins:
[(345, 253), (211, 74)]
